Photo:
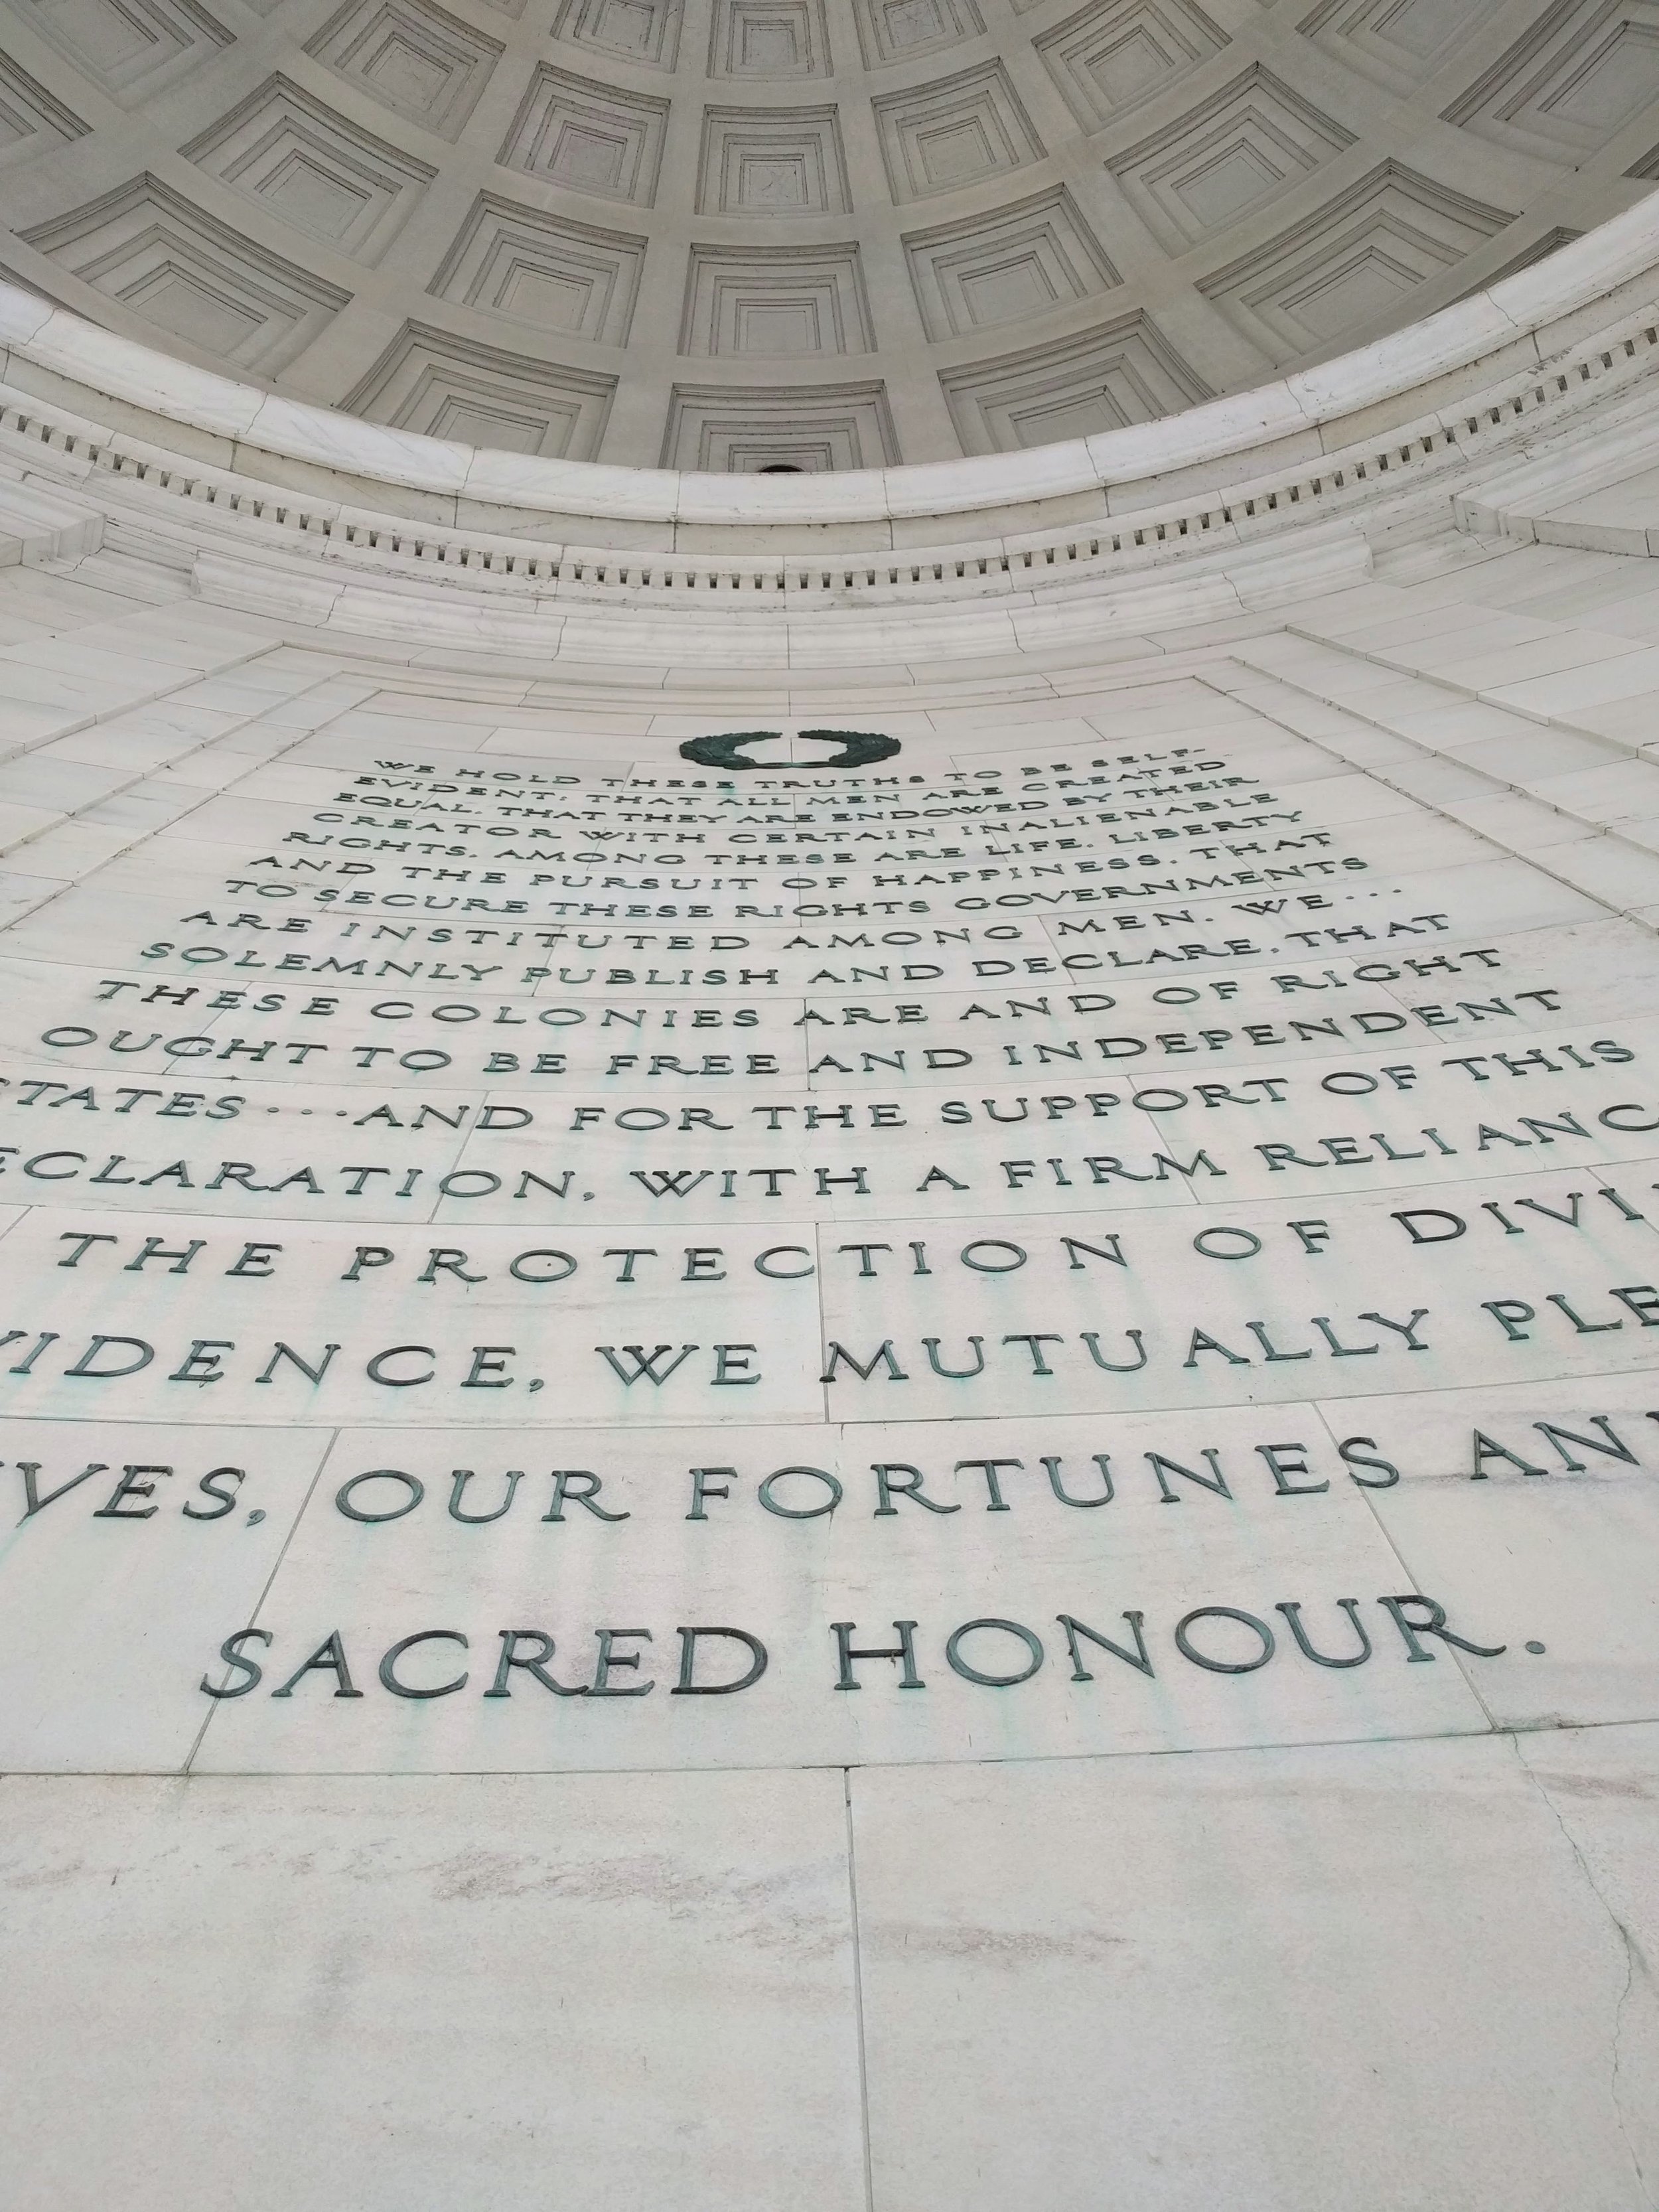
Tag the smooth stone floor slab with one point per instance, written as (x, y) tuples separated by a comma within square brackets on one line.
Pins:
[(518, 1990), (1389, 1972)]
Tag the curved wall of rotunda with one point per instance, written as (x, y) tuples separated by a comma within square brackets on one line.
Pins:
[(741, 234), (827, 1316)]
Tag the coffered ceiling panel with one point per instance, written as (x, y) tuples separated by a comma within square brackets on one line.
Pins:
[(633, 230)]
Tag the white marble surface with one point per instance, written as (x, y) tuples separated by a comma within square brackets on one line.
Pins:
[(1293, 959), (533, 1988), (1280, 1918)]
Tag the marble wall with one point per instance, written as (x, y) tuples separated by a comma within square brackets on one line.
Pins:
[(712, 1475), (654, 1547)]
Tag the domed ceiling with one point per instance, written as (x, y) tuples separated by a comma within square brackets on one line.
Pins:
[(740, 234)]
